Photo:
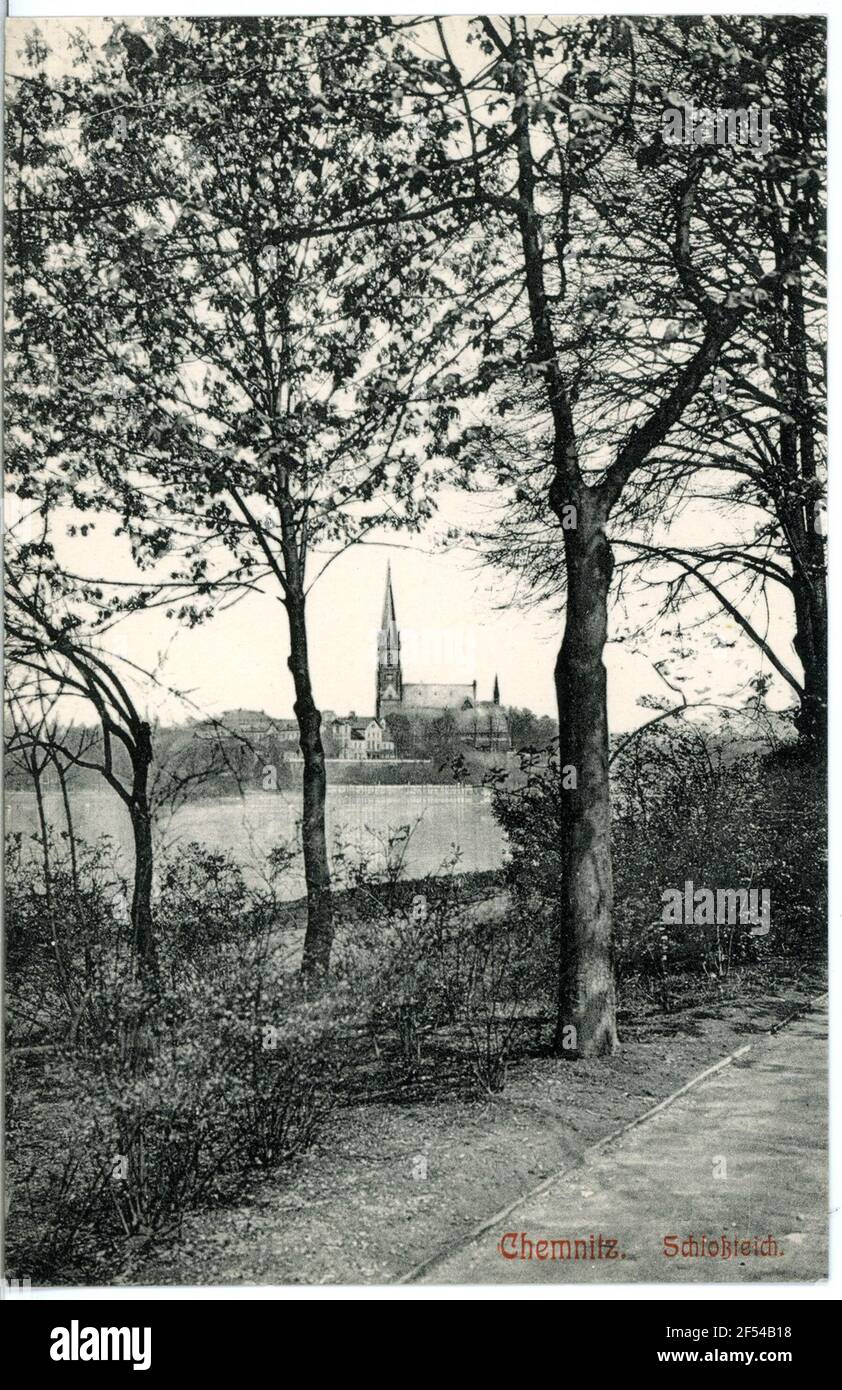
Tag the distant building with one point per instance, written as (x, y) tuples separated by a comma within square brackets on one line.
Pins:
[(253, 727), (361, 738), (479, 724)]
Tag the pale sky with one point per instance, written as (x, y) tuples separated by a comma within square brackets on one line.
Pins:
[(455, 622)]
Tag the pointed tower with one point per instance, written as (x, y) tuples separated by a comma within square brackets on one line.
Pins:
[(389, 677), (496, 696)]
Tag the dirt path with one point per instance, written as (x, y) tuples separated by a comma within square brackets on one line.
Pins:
[(742, 1156), (356, 1209)]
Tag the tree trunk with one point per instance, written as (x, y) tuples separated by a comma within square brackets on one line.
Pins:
[(798, 512), (810, 586), (143, 936), (318, 940), (79, 1010), (586, 984), (800, 504), (811, 646), (62, 969)]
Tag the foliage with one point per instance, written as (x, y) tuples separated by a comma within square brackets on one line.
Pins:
[(238, 1068), (176, 1097), (438, 963), (685, 810), (531, 731)]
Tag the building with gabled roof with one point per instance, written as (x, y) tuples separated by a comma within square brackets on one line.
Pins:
[(361, 737)]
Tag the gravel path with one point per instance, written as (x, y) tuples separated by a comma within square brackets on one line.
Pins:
[(740, 1160)]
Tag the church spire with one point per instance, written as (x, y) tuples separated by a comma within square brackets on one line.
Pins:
[(389, 678), (388, 601), (496, 696)]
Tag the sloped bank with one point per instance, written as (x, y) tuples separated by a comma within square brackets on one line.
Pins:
[(392, 1181)]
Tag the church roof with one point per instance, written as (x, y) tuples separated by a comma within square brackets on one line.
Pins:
[(388, 638), (436, 696)]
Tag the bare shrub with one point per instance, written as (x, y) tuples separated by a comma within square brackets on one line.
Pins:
[(234, 1072)]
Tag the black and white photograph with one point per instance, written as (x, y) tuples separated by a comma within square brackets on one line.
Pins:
[(415, 655)]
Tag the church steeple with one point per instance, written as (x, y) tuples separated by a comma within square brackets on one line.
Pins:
[(389, 678), (389, 623), (496, 696)]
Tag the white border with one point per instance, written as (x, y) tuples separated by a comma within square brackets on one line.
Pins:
[(831, 1289)]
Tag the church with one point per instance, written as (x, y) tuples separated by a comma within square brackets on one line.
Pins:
[(480, 724)]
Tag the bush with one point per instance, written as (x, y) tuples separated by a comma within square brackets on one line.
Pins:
[(682, 811), (62, 916), (174, 1097), (685, 812), (433, 960)]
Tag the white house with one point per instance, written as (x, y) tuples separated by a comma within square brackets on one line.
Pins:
[(361, 738)]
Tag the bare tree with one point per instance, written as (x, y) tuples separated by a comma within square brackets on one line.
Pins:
[(44, 639)]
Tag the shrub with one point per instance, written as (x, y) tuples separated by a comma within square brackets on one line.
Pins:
[(432, 959), (685, 812), (177, 1095), (60, 924), (682, 810)]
